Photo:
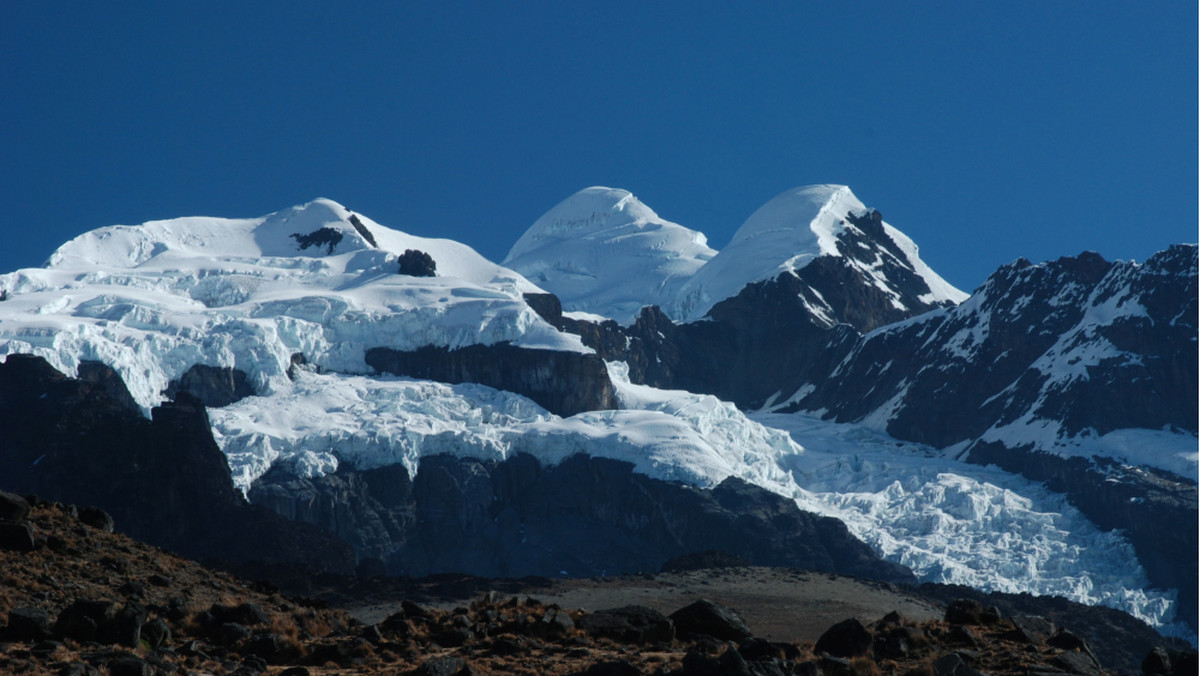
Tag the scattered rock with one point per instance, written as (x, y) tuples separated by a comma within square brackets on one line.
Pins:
[(248, 614), (630, 624), (443, 666)]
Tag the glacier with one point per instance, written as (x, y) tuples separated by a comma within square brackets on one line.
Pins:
[(153, 300), (948, 521)]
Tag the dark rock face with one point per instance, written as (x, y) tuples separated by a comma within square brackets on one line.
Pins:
[(547, 306), (586, 516), (1123, 328), (416, 263), (774, 336), (324, 237), (373, 509), (564, 383), (762, 342), (214, 386), (162, 480), (361, 229)]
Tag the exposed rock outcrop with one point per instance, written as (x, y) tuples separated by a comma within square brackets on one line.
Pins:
[(214, 386), (586, 516), (163, 480), (564, 383)]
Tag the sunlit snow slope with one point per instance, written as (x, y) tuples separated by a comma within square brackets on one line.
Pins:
[(155, 299), (603, 252), (788, 233)]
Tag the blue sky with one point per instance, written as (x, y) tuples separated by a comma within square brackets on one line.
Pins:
[(986, 131)]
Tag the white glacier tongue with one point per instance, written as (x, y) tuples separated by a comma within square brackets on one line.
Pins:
[(948, 521), (602, 251), (153, 300)]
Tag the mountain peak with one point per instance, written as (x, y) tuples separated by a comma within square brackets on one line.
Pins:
[(802, 225), (603, 251)]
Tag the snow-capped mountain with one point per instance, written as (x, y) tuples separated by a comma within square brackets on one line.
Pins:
[(603, 252), (357, 377), (154, 300), (827, 226), (1077, 356)]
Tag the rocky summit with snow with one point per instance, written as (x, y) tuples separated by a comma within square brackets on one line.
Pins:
[(312, 388)]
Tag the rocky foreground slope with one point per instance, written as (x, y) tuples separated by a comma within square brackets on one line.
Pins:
[(79, 599)]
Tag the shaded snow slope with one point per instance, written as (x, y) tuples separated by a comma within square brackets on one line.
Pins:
[(790, 232), (948, 521), (155, 299), (602, 251)]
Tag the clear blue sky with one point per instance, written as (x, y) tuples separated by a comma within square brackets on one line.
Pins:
[(985, 130)]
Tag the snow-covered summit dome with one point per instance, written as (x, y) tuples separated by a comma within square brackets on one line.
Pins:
[(603, 251), (130, 246), (155, 299)]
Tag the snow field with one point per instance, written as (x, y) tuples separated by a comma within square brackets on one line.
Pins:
[(151, 301)]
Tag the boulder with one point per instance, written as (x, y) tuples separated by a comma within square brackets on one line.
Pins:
[(27, 624), (704, 617), (13, 508), (83, 619), (17, 537), (848, 638)]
